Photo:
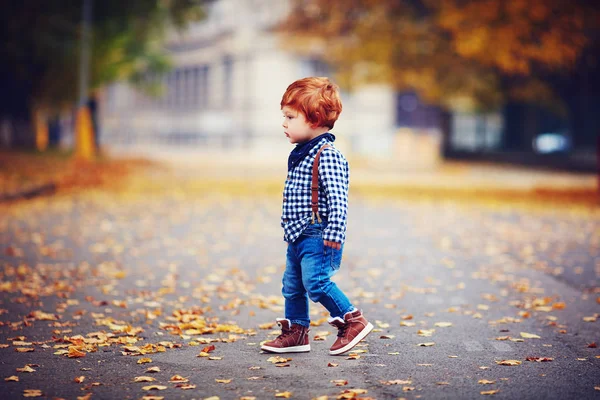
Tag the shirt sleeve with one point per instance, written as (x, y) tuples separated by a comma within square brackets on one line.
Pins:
[(333, 171)]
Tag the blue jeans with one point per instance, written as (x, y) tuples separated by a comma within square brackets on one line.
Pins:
[(309, 266)]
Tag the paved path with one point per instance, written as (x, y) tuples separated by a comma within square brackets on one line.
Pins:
[(156, 271)]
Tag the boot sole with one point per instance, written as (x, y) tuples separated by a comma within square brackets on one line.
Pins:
[(354, 342), (294, 349)]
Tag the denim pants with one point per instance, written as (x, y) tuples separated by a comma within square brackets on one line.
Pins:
[(309, 266)]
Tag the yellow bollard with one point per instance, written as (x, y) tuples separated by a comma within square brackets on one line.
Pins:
[(41, 131), (85, 148)]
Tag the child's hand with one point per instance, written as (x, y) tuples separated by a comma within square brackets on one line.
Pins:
[(334, 245)]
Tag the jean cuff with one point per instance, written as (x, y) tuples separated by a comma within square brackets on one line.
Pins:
[(298, 322)]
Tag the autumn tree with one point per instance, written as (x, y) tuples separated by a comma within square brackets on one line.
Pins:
[(40, 48), (458, 53)]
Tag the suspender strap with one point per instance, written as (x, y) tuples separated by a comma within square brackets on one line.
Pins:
[(314, 204)]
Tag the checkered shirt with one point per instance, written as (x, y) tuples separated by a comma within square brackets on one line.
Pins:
[(333, 194)]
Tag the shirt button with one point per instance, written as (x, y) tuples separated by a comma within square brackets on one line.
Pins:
[(285, 199), (285, 220)]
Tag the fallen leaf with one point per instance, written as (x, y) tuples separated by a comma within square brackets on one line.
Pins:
[(185, 386), (489, 392), (79, 379), (592, 345), (74, 352), (408, 388), (285, 395), (154, 387), (208, 349), (339, 382), (508, 362), (223, 380), (278, 359), (539, 359), (12, 378), (443, 324), (178, 379), (427, 344), (332, 364), (590, 319), (24, 349), (387, 336), (485, 382), (529, 335), (26, 368), (153, 369), (396, 382), (144, 360), (215, 358), (32, 393), (143, 379)]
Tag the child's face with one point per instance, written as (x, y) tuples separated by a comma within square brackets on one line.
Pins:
[(297, 129)]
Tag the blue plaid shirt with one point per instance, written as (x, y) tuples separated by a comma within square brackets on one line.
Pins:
[(333, 194)]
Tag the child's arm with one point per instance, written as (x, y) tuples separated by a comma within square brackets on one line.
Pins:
[(333, 172)]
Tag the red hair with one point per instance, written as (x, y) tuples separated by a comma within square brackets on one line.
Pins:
[(317, 98)]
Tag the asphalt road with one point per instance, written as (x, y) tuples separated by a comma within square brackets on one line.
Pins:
[(174, 275)]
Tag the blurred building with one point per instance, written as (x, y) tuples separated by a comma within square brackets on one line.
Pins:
[(230, 72)]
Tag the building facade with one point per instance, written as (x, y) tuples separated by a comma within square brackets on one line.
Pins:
[(230, 71)]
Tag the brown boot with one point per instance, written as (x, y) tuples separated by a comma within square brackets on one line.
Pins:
[(293, 338), (351, 330)]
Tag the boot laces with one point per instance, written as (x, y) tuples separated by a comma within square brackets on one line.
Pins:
[(342, 330)]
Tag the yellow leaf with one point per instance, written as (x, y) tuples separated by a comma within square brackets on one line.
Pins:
[(485, 382), (508, 362), (590, 319), (144, 360), (489, 392), (32, 393), (285, 395), (427, 344), (143, 379), (529, 335), (24, 349), (153, 369), (12, 378), (79, 379), (394, 353), (26, 368), (154, 387), (215, 358), (278, 359), (443, 324), (223, 380)]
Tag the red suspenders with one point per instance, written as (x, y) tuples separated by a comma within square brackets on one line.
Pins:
[(315, 186)]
